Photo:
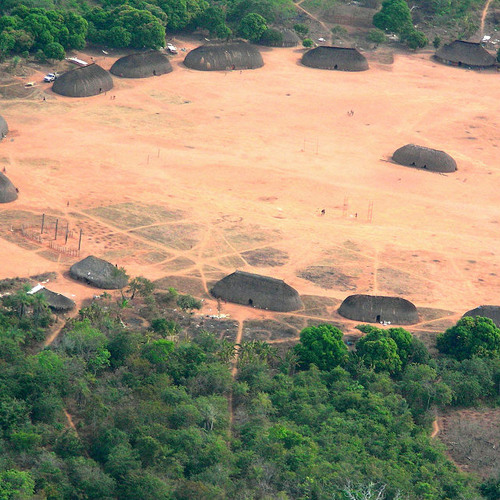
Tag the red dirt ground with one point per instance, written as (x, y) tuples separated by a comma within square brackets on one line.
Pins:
[(215, 164)]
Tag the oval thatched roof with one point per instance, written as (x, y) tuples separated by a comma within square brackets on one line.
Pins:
[(83, 82), (142, 65), (56, 301), (4, 128), (99, 273), (289, 39), (492, 312), (335, 58), (222, 56), (465, 54), (8, 192), (258, 291), (379, 309), (412, 155)]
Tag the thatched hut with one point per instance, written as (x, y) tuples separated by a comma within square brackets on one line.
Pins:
[(57, 302), (492, 312), (469, 54), (258, 291), (8, 192), (99, 273), (83, 82), (223, 56), (142, 65), (412, 155), (288, 39), (4, 128), (335, 58), (379, 309)]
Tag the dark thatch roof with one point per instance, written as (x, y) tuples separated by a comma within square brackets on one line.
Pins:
[(258, 291), (412, 155), (4, 128), (56, 301), (83, 82), (336, 58), (465, 54), (222, 56), (492, 312), (289, 39), (142, 65), (377, 309), (8, 192), (99, 273)]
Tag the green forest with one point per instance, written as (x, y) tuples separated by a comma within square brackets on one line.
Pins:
[(110, 412), (48, 28)]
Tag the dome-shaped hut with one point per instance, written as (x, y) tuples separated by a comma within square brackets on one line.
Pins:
[(57, 302), (258, 291), (335, 58), (469, 54), (379, 309), (83, 82), (412, 155), (8, 192), (288, 38), (99, 273), (492, 312), (4, 128), (142, 65), (222, 56)]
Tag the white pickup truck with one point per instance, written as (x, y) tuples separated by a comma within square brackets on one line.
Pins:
[(171, 49), (50, 77)]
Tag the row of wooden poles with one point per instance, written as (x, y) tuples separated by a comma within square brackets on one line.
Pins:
[(67, 232)]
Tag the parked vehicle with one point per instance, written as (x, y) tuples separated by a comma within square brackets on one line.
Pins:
[(171, 49), (50, 77)]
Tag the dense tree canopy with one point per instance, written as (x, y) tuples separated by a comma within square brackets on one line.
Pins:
[(471, 336)]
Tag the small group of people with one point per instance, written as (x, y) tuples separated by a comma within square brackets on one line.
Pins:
[(350, 113)]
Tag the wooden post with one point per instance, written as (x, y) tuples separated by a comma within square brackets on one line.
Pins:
[(55, 234), (43, 223), (67, 231), (80, 241)]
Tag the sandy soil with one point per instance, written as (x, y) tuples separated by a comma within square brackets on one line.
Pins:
[(204, 169)]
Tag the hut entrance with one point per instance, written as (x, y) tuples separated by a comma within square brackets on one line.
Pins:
[(250, 302), (378, 318), (336, 66)]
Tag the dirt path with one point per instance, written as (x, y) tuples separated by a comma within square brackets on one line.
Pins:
[(483, 17), (325, 27), (435, 428)]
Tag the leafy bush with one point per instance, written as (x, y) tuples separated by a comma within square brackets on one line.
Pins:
[(415, 39), (376, 36), (188, 302), (307, 42), (301, 29), (252, 26), (271, 37)]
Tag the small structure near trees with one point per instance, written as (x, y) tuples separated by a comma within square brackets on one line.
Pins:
[(335, 58), (379, 309), (468, 54), (255, 290), (57, 302), (99, 273), (142, 65), (83, 82), (224, 56), (412, 155), (492, 312)]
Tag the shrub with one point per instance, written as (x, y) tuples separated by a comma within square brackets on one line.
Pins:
[(307, 42), (376, 36), (301, 29), (436, 42), (271, 37)]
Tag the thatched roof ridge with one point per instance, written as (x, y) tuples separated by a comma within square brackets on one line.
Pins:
[(8, 192), (379, 309), (335, 58), (492, 312), (465, 54), (83, 82), (258, 291), (412, 155), (223, 56), (4, 128), (99, 273), (142, 65), (56, 301)]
